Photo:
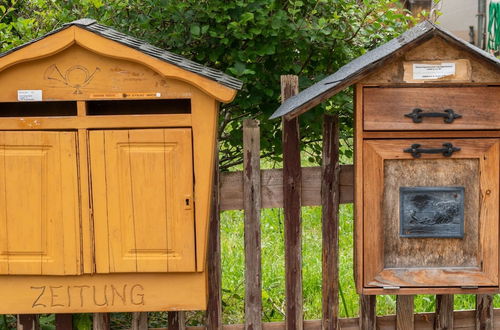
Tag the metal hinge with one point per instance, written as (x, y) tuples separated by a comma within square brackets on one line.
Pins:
[(388, 287)]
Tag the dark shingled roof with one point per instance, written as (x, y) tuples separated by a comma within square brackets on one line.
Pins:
[(351, 72), (142, 46)]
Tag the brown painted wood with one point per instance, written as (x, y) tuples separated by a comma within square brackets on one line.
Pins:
[(330, 196), (294, 315), (367, 312), (272, 187), (214, 305), (429, 290), (28, 322), (444, 312), (139, 321), (176, 321), (404, 312), (358, 187), (476, 105), (484, 312), (101, 321), (252, 206), (64, 321)]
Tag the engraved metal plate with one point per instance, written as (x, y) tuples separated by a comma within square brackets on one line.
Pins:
[(431, 212)]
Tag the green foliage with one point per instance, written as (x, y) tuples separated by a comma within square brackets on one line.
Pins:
[(254, 40)]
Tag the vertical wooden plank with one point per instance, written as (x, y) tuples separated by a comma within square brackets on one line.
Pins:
[(214, 306), (139, 321), (330, 200), (252, 205), (404, 312), (176, 321), (292, 203), (367, 312), (101, 321), (444, 312), (28, 322), (64, 321), (484, 312)]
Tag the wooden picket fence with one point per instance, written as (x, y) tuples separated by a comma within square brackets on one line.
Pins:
[(291, 188)]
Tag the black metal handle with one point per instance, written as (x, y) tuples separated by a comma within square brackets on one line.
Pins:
[(448, 115), (447, 150)]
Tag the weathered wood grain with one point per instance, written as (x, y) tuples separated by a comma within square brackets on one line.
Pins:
[(28, 322), (176, 321), (64, 321), (404, 313), (330, 198), (139, 321), (272, 187), (367, 312), (444, 312), (484, 312), (252, 206), (101, 321), (214, 305), (294, 314)]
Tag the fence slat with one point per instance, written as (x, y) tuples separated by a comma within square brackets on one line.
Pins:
[(330, 199), (64, 321), (367, 312), (28, 322), (252, 203), (404, 312), (444, 312), (176, 321), (292, 203), (101, 321), (139, 321), (484, 312), (214, 306)]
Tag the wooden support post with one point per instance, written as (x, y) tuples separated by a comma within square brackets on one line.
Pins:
[(484, 312), (252, 206), (139, 321), (367, 312), (404, 312), (444, 312), (64, 321), (176, 321), (101, 321), (214, 307), (330, 199), (28, 322), (294, 315)]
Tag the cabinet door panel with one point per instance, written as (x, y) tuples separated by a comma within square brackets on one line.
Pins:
[(431, 220), (142, 184), (39, 217)]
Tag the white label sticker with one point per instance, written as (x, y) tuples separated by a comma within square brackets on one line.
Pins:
[(433, 71), (29, 95)]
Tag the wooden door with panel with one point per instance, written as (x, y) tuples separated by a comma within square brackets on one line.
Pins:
[(142, 186), (39, 203), (431, 213)]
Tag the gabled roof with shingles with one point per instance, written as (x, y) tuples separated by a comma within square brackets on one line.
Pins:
[(355, 70), (146, 48)]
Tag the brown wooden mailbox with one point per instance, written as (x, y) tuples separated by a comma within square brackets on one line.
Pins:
[(427, 137), (107, 151)]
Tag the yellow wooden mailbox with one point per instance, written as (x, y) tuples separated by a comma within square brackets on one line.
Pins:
[(107, 148)]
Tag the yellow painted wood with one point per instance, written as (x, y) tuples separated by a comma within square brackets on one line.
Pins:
[(146, 177), (103, 293), (39, 203)]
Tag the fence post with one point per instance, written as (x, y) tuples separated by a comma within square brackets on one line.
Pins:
[(101, 321), (484, 312), (367, 312), (294, 317), (139, 321), (252, 205), (176, 321), (330, 200), (214, 308), (28, 322), (404, 312), (64, 321), (444, 312)]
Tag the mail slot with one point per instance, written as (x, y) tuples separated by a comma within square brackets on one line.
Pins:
[(107, 150)]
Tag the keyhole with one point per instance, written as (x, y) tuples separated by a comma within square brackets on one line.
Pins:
[(187, 201)]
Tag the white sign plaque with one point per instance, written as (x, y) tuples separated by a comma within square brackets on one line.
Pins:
[(29, 95), (433, 71)]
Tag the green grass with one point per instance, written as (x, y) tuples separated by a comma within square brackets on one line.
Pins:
[(273, 275)]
